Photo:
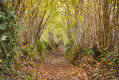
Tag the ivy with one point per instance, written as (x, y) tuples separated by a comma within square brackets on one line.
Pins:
[(8, 35)]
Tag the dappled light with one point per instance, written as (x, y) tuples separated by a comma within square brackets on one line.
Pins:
[(59, 39)]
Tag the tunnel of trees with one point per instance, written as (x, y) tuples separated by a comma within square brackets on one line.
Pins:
[(88, 30)]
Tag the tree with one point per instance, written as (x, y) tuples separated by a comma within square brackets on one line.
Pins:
[(8, 35)]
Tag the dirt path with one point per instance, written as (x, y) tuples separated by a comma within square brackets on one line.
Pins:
[(57, 68), (56, 57)]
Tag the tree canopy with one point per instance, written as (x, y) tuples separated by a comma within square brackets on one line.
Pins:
[(88, 30)]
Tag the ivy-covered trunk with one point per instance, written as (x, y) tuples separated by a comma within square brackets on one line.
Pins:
[(8, 34)]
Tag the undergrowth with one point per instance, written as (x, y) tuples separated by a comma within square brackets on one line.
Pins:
[(33, 53), (103, 67), (9, 39)]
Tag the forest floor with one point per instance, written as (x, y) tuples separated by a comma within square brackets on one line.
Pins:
[(56, 67)]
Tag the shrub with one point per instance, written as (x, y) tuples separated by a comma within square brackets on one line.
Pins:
[(47, 45), (32, 52), (68, 46), (110, 59), (40, 46), (71, 53)]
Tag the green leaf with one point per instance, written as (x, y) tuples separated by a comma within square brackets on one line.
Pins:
[(2, 26), (3, 37), (12, 13)]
